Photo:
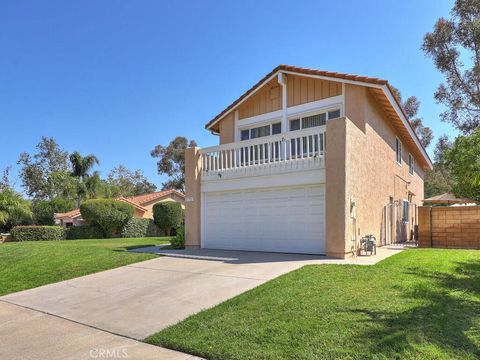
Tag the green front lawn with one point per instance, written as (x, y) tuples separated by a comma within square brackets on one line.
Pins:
[(25, 265), (419, 304)]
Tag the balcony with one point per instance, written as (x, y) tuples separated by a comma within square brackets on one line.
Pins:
[(288, 152)]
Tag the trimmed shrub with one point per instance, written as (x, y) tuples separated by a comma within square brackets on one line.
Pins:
[(136, 228), (178, 242), (168, 215), (43, 210), (84, 232), (109, 215), (38, 233)]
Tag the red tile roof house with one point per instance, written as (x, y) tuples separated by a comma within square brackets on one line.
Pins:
[(143, 205), (309, 162)]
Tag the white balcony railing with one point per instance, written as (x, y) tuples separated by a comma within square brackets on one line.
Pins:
[(296, 150)]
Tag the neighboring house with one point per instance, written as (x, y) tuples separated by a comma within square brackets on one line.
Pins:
[(309, 162), (448, 199), (143, 205)]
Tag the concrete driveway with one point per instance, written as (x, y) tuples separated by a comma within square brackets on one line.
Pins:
[(139, 299), (111, 309)]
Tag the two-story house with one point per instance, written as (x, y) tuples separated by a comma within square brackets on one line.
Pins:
[(309, 162)]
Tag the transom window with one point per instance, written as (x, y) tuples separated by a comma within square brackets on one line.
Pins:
[(261, 131), (313, 120)]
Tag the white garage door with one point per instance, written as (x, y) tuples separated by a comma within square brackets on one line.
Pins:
[(285, 219)]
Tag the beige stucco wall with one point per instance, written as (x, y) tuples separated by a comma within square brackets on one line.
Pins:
[(335, 188), (192, 197), (371, 173)]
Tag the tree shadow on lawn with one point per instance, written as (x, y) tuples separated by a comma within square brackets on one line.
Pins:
[(441, 319)]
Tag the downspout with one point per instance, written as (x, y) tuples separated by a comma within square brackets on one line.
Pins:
[(282, 80)]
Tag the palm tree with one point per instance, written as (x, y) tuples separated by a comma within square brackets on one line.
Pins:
[(14, 209), (81, 165)]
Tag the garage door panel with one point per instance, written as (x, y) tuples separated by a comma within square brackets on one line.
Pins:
[(288, 219)]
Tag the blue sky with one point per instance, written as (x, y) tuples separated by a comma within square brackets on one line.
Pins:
[(117, 77)]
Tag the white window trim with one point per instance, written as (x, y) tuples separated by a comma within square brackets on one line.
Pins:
[(401, 151), (307, 109), (411, 164)]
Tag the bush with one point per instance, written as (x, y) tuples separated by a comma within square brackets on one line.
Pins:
[(84, 232), (37, 233), (136, 228), (168, 216), (109, 215), (43, 210), (14, 210), (178, 242)]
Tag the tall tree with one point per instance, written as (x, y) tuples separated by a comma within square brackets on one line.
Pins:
[(125, 182), (450, 44), (462, 160), (411, 107), (172, 162), (81, 166), (438, 180), (44, 174), (5, 180)]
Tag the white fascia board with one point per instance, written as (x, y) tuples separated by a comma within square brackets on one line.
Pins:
[(406, 123), (316, 105)]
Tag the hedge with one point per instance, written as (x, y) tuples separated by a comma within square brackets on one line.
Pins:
[(139, 227), (168, 216), (109, 215), (38, 233), (84, 232)]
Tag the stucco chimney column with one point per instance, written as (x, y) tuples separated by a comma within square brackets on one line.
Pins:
[(192, 197)]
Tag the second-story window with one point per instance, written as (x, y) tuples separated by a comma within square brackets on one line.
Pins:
[(310, 121), (261, 131), (398, 151), (411, 164)]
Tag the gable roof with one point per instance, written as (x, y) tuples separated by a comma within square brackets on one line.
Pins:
[(135, 201), (146, 198), (134, 204), (382, 92), (69, 214)]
